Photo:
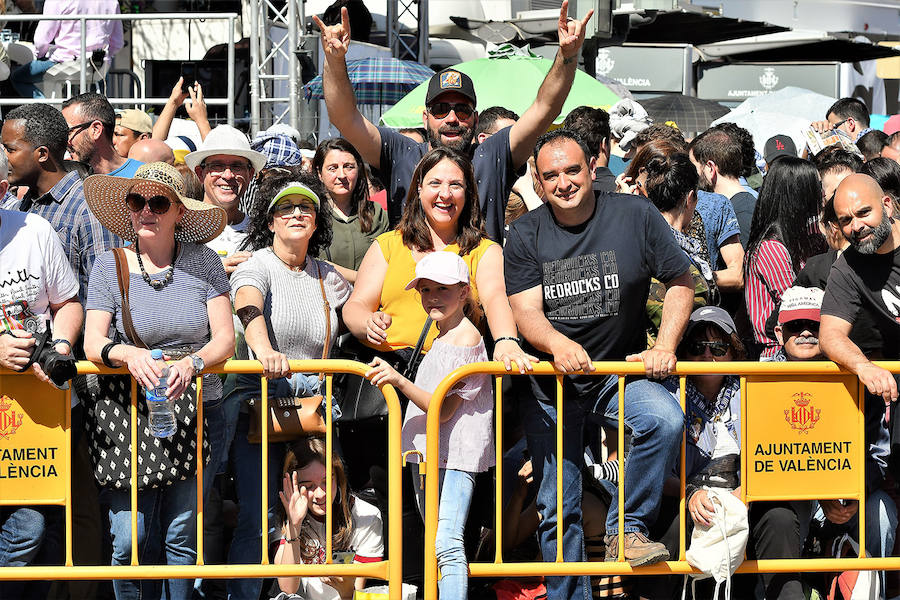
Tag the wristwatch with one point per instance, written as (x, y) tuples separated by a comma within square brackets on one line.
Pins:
[(198, 363)]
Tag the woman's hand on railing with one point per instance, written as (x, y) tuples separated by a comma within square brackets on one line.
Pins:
[(508, 351), (295, 500), (275, 364), (180, 374), (383, 373), (376, 327), (143, 368)]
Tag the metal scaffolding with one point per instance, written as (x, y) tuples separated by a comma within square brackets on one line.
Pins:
[(400, 47), (275, 29)]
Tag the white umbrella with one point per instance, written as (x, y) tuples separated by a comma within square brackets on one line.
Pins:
[(789, 111)]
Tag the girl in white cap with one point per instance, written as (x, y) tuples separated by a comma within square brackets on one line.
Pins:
[(442, 279)]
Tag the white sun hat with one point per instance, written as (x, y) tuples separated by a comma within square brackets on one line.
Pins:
[(229, 141)]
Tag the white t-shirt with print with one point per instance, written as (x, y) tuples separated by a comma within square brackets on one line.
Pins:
[(34, 271), (231, 238), (365, 541)]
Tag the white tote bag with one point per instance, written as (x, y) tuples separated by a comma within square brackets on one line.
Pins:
[(718, 550)]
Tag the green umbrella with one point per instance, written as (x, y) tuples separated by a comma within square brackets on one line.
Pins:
[(511, 81)]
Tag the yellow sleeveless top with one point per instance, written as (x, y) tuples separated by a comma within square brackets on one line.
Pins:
[(405, 306)]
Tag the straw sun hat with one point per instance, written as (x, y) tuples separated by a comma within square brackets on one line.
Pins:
[(105, 196)]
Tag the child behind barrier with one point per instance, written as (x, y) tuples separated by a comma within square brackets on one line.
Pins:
[(442, 278), (356, 524)]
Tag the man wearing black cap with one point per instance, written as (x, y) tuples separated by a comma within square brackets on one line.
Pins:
[(778, 146), (450, 119)]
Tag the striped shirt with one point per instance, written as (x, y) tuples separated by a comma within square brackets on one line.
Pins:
[(82, 235), (769, 273), (174, 317)]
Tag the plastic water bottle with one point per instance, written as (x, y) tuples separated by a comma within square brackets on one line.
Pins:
[(162, 410)]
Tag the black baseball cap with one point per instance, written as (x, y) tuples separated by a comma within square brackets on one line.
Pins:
[(450, 80), (777, 146)]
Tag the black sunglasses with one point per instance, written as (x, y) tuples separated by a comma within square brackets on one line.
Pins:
[(159, 205), (718, 349), (439, 110), (799, 325)]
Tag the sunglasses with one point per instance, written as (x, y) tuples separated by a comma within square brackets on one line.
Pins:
[(159, 205), (800, 325), (439, 110), (76, 129), (286, 210), (698, 348)]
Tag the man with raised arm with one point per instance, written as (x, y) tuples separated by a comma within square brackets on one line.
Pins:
[(450, 119)]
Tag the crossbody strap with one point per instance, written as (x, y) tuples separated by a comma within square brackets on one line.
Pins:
[(327, 306), (122, 274)]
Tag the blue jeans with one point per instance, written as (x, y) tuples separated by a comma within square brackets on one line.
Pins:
[(247, 540), (167, 534), (656, 423), (455, 492), (166, 522), (23, 78), (23, 532)]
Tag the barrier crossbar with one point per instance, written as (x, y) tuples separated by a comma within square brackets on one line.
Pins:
[(796, 372), (389, 569)]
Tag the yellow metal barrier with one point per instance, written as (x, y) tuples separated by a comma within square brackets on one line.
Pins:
[(24, 386), (802, 383)]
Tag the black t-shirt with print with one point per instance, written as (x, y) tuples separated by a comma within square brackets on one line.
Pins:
[(867, 282), (495, 175), (594, 277)]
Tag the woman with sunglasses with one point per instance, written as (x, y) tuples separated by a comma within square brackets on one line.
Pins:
[(713, 413), (289, 302), (355, 220), (178, 296)]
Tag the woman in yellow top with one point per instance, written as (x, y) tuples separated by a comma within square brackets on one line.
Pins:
[(441, 214)]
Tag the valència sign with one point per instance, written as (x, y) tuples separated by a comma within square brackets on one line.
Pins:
[(737, 82), (644, 68)]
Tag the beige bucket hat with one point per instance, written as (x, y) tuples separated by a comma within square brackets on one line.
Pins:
[(105, 196)]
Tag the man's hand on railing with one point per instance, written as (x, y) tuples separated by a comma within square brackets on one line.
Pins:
[(657, 363), (15, 349), (569, 356), (335, 38), (878, 381)]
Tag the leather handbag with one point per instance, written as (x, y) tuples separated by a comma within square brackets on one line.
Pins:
[(291, 418), (161, 461)]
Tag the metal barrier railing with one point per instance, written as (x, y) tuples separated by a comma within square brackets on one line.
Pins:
[(389, 569), (812, 373), (228, 101)]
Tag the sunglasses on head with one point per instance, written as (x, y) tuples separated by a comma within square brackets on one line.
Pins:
[(159, 205), (439, 110), (698, 348)]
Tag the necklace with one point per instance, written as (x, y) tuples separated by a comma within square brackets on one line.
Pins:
[(295, 268), (170, 272)]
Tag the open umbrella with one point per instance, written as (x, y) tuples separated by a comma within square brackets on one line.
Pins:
[(689, 113), (508, 81), (377, 80)]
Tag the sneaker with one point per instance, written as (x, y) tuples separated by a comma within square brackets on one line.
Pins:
[(639, 550)]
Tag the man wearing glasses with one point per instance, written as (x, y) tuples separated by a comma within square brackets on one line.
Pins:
[(848, 115), (225, 165), (450, 119), (92, 121)]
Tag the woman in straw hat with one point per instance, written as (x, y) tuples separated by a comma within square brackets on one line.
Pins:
[(289, 303), (178, 296)]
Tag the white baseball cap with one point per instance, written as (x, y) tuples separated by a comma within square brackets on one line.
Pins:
[(799, 303), (442, 267)]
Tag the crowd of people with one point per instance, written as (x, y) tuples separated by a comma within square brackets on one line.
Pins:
[(481, 236)]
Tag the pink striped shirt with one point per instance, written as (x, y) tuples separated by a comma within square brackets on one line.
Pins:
[(769, 274)]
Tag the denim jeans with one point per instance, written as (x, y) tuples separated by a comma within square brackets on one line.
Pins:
[(23, 78), (656, 423), (449, 545), (167, 534), (166, 522), (247, 540), (23, 533)]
